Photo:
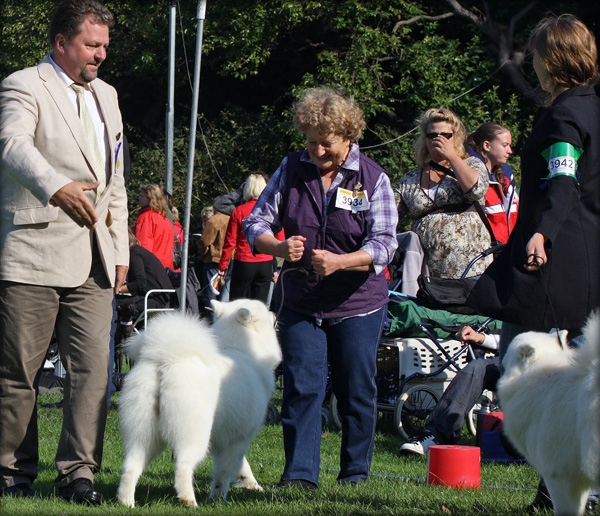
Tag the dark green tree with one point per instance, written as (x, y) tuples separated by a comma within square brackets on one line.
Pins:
[(396, 57)]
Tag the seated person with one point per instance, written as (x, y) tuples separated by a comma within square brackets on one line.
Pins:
[(145, 273), (444, 424)]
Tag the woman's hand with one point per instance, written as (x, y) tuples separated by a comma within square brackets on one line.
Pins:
[(324, 262), (292, 248), (444, 147), (536, 253)]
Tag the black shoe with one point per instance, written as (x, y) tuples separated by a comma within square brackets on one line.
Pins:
[(542, 499), (18, 491), (294, 482), (81, 490)]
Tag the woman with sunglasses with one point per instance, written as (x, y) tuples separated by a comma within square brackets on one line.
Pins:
[(440, 194)]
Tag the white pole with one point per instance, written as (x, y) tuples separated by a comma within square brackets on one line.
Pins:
[(192, 152), (170, 100)]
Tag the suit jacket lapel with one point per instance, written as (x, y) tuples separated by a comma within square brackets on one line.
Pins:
[(63, 103), (57, 92)]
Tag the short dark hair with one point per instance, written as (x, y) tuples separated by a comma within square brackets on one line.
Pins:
[(70, 15)]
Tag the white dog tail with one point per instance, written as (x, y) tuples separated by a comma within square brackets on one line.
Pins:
[(588, 355), (171, 335), (588, 361)]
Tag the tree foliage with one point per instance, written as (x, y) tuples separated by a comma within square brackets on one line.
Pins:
[(396, 57)]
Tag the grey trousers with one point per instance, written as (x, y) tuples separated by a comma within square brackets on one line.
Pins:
[(448, 416), (82, 318)]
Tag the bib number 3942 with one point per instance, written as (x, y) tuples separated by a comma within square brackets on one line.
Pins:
[(562, 159)]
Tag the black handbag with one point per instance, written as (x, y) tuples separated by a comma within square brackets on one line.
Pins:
[(446, 293)]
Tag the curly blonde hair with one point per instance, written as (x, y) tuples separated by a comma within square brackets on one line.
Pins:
[(327, 111), (432, 116), (158, 203), (567, 48)]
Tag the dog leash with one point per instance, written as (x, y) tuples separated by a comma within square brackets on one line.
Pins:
[(299, 269), (543, 280)]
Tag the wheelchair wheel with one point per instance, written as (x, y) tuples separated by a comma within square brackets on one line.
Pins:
[(333, 412), (414, 405)]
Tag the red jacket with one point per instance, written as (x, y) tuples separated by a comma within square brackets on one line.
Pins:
[(155, 233), (501, 209), (236, 241)]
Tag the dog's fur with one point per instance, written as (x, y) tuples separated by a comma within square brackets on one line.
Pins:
[(551, 402), (196, 388)]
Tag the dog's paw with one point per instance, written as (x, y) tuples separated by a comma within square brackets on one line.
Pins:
[(217, 495), (189, 502), (127, 501), (248, 483)]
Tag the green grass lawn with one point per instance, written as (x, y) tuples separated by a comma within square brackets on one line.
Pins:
[(397, 486)]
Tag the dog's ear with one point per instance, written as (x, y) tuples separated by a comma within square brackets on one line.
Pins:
[(218, 308), (526, 354), (244, 316), (562, 338)]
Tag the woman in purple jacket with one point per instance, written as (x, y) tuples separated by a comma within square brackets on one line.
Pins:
[(337, 209)]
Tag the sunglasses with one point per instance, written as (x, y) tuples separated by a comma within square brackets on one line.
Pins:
[(431, 136)]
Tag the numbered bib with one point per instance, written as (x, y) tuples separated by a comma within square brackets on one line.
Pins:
[(352, 201), (562, 159)]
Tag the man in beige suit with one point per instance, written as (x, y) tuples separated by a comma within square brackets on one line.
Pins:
[(63, 248)]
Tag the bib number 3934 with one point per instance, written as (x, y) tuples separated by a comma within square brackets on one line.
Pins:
[(352, 201)]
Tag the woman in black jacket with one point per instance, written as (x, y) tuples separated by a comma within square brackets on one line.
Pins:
[(548, 276), (145, 273)]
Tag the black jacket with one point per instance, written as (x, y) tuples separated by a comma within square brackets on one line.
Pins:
[(567, 212)]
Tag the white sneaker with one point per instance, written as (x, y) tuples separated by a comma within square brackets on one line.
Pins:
[(418, 444)]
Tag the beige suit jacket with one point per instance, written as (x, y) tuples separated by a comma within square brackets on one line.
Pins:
[(43, 147)]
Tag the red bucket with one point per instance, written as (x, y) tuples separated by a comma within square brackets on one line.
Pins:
[(454, 466)]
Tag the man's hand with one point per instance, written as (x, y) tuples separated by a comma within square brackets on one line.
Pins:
[(120, 276), (72, 200), (467, 335)]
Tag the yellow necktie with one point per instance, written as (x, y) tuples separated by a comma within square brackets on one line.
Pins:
[(88, 126)]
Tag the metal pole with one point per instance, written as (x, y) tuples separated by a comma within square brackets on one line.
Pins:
[(170, 100), (192, 152)]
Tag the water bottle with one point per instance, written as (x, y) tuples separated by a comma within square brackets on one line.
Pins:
[(485, 409)]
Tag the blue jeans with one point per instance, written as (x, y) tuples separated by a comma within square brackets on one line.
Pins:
[(350, 349)]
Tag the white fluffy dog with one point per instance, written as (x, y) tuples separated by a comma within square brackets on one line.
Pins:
[(196, 388), (550, 396)]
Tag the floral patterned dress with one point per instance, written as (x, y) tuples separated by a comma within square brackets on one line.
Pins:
[(450, 240)]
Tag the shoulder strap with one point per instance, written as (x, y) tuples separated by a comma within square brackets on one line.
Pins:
[(446, 208), (486, 223)]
